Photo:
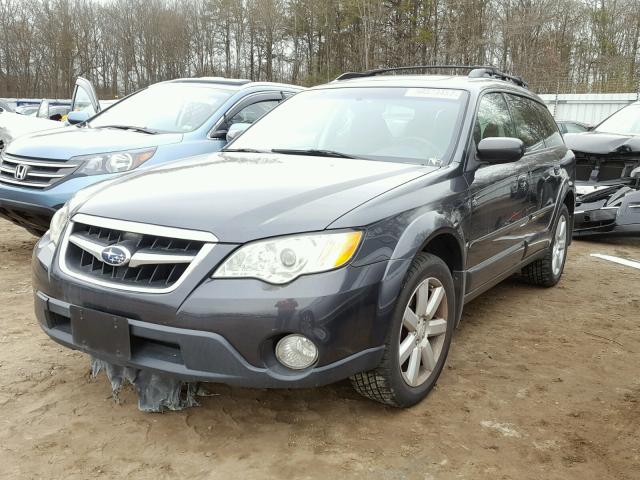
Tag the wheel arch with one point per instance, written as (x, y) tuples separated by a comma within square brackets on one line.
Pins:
[(431, 233), (568, 197), (447, 245), (570, 201)]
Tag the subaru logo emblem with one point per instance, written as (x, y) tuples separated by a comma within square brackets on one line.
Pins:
[(116, 256), (21, 171)]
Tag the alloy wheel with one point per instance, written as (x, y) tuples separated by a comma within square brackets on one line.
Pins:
[(559, 246), (424, 326)]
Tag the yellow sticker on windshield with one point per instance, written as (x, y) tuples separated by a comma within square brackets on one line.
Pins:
[(433, 93)]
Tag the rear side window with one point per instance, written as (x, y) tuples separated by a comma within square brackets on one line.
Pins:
[(552, 137), (493, 118), (253, 112), (526, 118)]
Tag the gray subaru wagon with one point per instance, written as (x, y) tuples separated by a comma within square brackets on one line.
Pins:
[(338, 237)]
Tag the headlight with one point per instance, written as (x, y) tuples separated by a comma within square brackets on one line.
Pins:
[(58, 222), (113, 162), (281, 260)]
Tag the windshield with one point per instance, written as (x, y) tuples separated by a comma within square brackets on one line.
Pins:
[(169, 107), (624, 122), (411, 125)]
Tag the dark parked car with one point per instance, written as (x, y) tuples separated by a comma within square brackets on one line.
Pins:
[(573, 126), (339, 236), (158, 124), (608, 175)]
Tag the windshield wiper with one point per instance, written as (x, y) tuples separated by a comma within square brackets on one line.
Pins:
[(245, 150), (312, 151), (131, 127)]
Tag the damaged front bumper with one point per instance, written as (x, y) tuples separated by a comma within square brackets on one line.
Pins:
[(607, 210), (220, 331), (607, 184), (186, 354)]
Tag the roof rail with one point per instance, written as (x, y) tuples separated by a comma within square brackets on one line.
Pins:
[(476, 71), (378, 71), (219, 80), (493, 72)]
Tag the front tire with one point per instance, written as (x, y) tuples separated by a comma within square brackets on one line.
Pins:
[(35, 232), (547, 271), (419, 338)]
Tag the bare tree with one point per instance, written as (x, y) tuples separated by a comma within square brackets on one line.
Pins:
[(123, 45)]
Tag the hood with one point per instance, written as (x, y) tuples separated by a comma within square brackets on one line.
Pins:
[(240, 197), (14, 125), (602, 143), (73, 141)]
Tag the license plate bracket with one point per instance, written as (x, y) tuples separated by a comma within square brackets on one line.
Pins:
[(100, 332)]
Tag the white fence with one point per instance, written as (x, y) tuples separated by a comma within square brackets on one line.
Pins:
[(589, 108)]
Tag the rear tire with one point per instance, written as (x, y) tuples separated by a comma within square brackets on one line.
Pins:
[(546, 272), (418, 340)]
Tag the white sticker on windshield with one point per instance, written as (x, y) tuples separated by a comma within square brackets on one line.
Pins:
[(433, 93)]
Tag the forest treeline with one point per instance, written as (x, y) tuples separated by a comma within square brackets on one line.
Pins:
[(122, 45)]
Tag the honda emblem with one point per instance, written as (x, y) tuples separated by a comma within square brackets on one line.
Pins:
[(21, 172)]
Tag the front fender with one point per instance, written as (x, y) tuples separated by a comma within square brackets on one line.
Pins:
[(412, 232), (425, 228)]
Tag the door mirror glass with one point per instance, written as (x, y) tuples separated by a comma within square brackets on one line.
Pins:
[(497, 150), (77, 117), (236, 130)]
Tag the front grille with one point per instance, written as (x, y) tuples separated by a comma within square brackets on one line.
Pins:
[(600, 168), (33, 172), (157, 262)]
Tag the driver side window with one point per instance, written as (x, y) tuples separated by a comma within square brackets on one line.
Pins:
[(494, 119), (529, 129)]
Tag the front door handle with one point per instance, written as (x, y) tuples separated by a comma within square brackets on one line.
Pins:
[(520, 189), (523, 183)]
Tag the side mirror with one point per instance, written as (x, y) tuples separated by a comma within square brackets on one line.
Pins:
[(236, 130), (75, 118), (498, 150)]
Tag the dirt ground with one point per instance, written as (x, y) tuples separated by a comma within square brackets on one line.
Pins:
[(540, 384)]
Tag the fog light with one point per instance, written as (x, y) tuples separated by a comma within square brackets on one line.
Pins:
[(296, 352)]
